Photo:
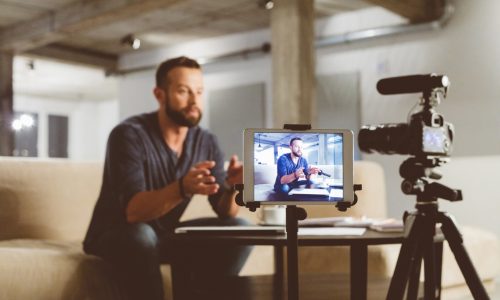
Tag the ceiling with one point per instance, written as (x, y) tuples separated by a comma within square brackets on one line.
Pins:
[(93, 29), (90, 31), (270, 139)]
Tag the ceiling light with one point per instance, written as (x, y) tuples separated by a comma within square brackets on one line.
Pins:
[(24, 121), (17, 125), (30, 64), (267, 4), (259, 147), (27, 120), (131, 41)]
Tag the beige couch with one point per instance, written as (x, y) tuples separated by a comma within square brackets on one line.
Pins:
[(45, 208)]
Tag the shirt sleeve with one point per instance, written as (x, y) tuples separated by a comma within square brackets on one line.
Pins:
[(282, 169), (124, 164)]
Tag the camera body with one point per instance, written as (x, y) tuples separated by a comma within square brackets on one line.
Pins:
[(425, 134)]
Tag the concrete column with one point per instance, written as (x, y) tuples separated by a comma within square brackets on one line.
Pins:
[(6, 104), (292, 29)]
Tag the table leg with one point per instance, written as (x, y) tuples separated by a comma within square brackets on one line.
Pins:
[(359, 271), (278, 272), (177, 282)]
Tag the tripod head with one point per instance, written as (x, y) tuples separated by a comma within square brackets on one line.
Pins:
[(417, 171)]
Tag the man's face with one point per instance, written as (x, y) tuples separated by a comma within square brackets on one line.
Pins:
[(184, 96), (296, 148)]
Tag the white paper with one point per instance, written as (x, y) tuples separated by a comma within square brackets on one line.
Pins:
[(223, 229), (331, 231)]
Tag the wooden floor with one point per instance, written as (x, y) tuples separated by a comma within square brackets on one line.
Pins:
[(312, 287), (323, 287), (493, 289)]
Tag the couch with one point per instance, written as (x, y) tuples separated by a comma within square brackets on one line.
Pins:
[(265, 176), (45, 208)]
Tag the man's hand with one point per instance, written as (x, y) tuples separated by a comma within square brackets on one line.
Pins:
[(234, 171), (199, 180), (314, 170), (299, 172)]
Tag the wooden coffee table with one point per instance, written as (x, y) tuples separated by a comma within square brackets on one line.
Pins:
[(358, 255)]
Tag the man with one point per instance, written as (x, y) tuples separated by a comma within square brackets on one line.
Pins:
[(155, 163), (293, 169)]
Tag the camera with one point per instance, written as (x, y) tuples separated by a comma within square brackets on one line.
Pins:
[(425, 134), (427, 138)]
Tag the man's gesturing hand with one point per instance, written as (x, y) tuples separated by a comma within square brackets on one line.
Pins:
[(234, 171), (199, 180), (299, 172), (314, 170)]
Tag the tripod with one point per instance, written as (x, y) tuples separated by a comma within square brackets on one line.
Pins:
[(420, 231)]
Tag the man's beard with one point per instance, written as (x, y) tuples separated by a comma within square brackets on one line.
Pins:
[(297, 154), (179, 116)]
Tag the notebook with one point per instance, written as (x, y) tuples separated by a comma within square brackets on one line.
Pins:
[(309, 192), (250, 230)]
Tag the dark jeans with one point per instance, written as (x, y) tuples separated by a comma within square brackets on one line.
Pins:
[(135, 253)]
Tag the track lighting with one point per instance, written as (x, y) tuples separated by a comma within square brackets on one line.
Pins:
[(131, 41), (267, 4)]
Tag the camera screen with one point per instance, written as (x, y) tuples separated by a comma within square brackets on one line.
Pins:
[(302, 166), (435, 140)]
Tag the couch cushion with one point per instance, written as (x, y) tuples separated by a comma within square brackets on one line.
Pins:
[(52, 270), (49, 199)]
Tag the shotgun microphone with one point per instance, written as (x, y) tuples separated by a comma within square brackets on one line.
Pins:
[(411, 84), (324, 174)]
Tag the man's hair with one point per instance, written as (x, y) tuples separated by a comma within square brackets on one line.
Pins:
[(168, 65), (295, 139)]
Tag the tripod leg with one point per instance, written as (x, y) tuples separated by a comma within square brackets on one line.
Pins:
[(425, 250), (429, 260), (455, 241), (438, 252), (406, 255), (414, 281)]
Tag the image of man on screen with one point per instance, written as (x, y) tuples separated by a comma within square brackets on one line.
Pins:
[(293, 169)]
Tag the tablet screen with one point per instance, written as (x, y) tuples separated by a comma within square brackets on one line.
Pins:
[(311, 166)]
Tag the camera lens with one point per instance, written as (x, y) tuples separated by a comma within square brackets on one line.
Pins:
[(385, 139)]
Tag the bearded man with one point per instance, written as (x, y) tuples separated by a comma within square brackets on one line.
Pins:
[(293, 169), (155, 163)]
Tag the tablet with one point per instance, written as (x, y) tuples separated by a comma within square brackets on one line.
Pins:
[(298, 167)]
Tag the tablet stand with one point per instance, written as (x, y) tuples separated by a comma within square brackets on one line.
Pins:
[(293, 215)]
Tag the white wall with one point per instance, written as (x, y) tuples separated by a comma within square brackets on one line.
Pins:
[(466, 50), (89, 123), (135, 92), (85, 94)]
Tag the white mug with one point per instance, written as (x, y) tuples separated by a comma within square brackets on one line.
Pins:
[(272, 215)]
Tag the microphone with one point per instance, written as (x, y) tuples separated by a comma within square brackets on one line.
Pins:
[(323, 173), (411, 84)]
